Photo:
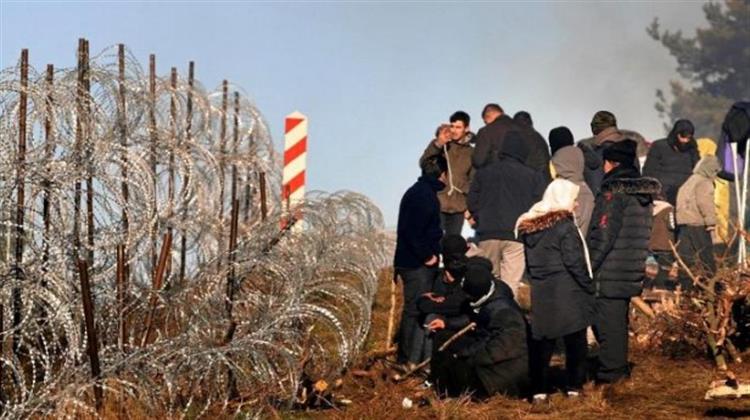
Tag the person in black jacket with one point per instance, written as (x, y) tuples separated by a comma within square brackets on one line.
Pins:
[(493, 358), (499, 193), (618, 245), (489, 139), (417, 249), (671, 160), (538, 150), (562, 291)]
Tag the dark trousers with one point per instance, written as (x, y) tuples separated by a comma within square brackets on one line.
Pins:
[(452, 223), (611, 330), (452, 376), (411, 340), (576, 348), (696, 248)]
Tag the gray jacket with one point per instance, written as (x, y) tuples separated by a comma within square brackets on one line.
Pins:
[(695, 199)]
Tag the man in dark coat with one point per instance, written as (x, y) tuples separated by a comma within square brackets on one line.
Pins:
[(493, 358), (606, 133), (618, 246), (417, 249), (671, 160), (499, 193), (489, 139), (538, 150)]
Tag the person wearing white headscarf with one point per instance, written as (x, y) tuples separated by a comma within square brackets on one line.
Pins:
[(562, 289)]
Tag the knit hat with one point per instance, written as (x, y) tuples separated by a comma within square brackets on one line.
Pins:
[(602, 120), (514, 146), (478, 279), (454, 255), (621, 151), (560, 137)]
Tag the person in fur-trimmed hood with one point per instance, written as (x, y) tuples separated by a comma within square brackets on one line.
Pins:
[(562, 291), (618, 245)]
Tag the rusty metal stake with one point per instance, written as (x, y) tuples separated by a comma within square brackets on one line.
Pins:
[(263, 197), (154, 138), (166, 248), (91, 336)]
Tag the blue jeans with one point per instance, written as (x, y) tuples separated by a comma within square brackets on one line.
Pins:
[(412, 338)]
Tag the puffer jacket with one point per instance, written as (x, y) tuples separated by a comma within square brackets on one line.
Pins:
[(695, 200), (620, 232), (460, 172), (568, 163), (669, 164), (562, 292)]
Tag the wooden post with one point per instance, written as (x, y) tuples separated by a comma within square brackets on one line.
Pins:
[(188, 136), (48, 153), (91, 336), (154, 139), (173, 132), (123, 269), (89, 158), (77, 153), (222, 152), (20, 196)]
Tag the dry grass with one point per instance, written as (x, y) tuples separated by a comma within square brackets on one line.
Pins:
[(659, 388)]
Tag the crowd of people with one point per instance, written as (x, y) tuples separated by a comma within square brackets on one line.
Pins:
[(575, 222)]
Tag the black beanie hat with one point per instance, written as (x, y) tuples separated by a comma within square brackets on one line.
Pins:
[(478, 278), (453, 246), (602, 120), (622, 152), (560, 137)]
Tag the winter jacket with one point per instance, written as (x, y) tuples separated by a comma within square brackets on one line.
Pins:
[(489, 140), (538, 157), (418, 232), (670, 165), (620, 231), (562, 292), (568, 163), (458, 154), (593, 149), (503, 190), (695, 199), (662, 230), (497, 348)]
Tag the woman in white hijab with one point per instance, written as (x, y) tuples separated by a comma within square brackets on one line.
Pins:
[(562, 290)]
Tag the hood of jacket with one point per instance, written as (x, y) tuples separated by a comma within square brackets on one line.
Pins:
[(681, 126), (560, 195), (707, 167), (514, 146), (540, 223), (627, 180), (568, 162)]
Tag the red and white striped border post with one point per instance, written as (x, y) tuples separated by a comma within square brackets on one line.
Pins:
[(295, 156)]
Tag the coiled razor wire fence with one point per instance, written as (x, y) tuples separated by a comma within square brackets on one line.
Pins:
[(158, 200)]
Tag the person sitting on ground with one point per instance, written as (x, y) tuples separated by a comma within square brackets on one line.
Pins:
[(493, 358), (562, 291), (696, 216)]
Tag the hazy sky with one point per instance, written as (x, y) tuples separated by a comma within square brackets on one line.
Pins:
[(376, 78)]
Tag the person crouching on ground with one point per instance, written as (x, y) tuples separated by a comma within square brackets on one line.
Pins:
[(562, 291), (618, 247), (696, 215), (417, 249), (493, 358)]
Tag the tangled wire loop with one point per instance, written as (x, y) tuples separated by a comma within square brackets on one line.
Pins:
[(231, 327)]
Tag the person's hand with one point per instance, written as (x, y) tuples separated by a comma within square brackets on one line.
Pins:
[(436, 325), (431, 261), (431, 296)]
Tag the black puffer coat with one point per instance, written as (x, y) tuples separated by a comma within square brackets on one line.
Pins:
[(497, 348), (669, 164), (620, 231), (562, 292)]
